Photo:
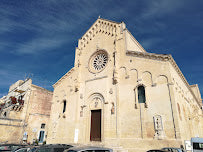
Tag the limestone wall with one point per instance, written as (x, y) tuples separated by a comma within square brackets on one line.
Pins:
[(62, 124), (126, 124), (12, 115), (136, 120), (11, 132), (38, 113), (189, 114), (18, 119)]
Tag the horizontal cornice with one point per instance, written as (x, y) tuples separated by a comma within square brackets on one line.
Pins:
[(164, 57)]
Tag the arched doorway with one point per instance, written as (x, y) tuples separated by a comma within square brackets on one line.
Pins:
[(96, 109), (95, 131)]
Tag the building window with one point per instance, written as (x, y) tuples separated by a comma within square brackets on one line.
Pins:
[(42, 126), (41, 136), (5, 114), (141, 94), (98, 61), (20, 97), (64, 106)]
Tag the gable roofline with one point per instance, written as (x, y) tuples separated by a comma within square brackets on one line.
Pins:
[(63, 77), (100, 25), (38, 87), (164, 57), (194, 85), (172, 61), (197, 87), (109, 20), (137, 43), (102, 19)]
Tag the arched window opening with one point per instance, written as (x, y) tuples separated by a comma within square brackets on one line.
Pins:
[(141, 94), (64, 106), (43, 126), (5, 114)]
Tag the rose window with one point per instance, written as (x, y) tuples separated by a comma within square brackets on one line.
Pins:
[(98, 61)]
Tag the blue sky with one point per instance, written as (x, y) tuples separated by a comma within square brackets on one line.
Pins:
[(38, 37)]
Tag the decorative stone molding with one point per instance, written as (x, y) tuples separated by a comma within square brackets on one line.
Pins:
[(158, 126), (145, 105), (111, 91), (135, 96), (81, 110), (163, 57), (154, 84), (98, 61), (107, 27), (126, 73), (139, 80), (96, 78), (64, 77), (76, 88), (148, 55)]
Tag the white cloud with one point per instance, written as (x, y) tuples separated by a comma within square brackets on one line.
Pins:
[(51, 28), (157, 8), (10, 75), (39, 45)]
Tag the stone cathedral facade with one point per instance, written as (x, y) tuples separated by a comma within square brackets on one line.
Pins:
[(120, 96)]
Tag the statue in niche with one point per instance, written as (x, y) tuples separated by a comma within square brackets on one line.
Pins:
[(158, 126), (81, 111), (96, 99)]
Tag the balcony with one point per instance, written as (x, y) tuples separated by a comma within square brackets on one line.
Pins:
[(13, 100), (21, 102)]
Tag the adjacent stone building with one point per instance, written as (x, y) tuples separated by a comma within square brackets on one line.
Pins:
[(25, 113)]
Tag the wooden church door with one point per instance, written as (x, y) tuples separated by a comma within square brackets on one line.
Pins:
[(95, 131)]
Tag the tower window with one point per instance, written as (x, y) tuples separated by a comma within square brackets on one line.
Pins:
[(64, 106), (141, 94)]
